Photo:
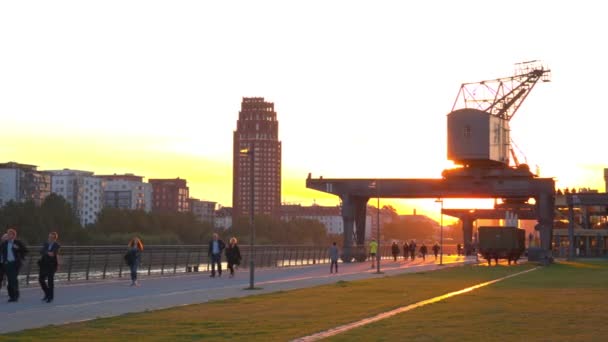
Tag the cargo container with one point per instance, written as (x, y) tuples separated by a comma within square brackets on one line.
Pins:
[(501, 243)]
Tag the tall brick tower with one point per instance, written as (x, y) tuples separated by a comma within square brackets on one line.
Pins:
[(258, 131)]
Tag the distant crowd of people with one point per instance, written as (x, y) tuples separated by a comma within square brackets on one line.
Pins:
[(567, 191)]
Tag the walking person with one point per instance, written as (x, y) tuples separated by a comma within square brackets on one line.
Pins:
[(133, 258), (48, 264), (436, 249), (13, 253), (333, 257), (233, 255), (395, 250), (412, 246), (373, 249), (406, 250), (216, 246), (423, 251), (4, 238)]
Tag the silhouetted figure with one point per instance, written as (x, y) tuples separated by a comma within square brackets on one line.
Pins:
[(406, 250), (48, 264), (435, 250), (233, 255), (423, 251), (412, 249), (13, 253), (216, 246), (395, 250), (333, 257), (459, 249), (4, 238)]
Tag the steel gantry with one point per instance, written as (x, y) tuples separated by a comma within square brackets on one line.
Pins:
[(355, 193)]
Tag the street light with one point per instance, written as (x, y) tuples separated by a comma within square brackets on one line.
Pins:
[(439, 200), (376, 185), (249, 152)]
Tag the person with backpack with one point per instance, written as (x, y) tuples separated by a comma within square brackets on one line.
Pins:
[(133, 258)]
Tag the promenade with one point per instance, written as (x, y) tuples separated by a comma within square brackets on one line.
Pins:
[(89, 300)]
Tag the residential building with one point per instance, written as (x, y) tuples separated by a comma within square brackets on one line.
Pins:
[(329, 216), (257, 135), (170, 195), (203, 210), (127, 191), (223, 218), (82, 190), (22, 182)]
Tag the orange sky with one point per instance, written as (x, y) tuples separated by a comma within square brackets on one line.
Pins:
[(361, 89)]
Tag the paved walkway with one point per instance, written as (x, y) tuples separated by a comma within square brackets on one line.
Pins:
[(90, 300)]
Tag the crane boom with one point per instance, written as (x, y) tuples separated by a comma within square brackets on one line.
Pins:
[(502, 97)]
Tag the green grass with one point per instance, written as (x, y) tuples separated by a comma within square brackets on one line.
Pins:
[(562, 302), (572, 293)]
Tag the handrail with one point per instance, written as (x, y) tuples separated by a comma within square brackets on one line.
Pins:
[(81, 263)]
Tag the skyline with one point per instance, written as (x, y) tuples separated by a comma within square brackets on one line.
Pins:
[(140, 87)]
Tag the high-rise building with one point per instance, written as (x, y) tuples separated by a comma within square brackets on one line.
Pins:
[(82, 190), (170, 195), (127, 191), (21, 182), (203, 210), (258, 133)]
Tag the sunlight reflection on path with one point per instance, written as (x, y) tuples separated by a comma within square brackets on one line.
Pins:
[(384, 315)]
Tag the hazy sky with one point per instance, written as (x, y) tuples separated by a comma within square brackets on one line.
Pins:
[(361, 89)]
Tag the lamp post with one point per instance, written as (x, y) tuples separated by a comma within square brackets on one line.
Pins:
[(378, 230), (250, 153), (376, 185), (439, 200)]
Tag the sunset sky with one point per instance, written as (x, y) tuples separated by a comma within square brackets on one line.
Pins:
[(361, 88)]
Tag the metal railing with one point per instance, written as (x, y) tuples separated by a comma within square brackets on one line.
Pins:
[(77, 263)]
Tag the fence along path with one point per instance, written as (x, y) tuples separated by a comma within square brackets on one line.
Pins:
[(78, 263)]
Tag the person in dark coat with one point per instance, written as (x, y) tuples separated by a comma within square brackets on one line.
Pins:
[(4, 238), (406, 251), (233, 255), (423, 251), (48, 264), (13, 254), (412, 246), (216, 246), (436, 249), (133, 258), (395, 250)]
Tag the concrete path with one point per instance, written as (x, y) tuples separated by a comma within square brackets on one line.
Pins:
[(90, 300)]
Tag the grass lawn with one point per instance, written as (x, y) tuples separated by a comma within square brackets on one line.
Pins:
[(567, 301), (565, 295)]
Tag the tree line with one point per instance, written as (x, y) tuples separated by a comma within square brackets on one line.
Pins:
[(118, 226)]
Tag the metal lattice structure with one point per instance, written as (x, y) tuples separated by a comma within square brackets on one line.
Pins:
[(502, 97)]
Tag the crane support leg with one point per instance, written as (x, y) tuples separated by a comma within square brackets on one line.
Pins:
[(348, 217)]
